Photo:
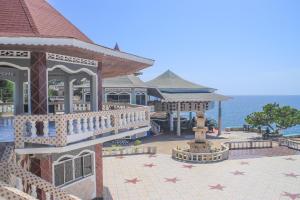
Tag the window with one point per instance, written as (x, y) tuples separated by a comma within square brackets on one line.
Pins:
[(118, 98), (141, 99), (69, 169)]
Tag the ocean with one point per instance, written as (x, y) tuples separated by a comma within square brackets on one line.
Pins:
[(236, 109)]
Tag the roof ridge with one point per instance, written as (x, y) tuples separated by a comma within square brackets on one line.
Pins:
[(29, 17), (57, 12)]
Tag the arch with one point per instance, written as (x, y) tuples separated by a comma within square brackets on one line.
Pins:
[(70, 71), (9, 64)]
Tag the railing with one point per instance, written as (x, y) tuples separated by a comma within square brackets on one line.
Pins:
[(289, 143), (59, 130), (185, 155), (6, 108), (113, 151), (25, 182), (249, 144), (155, 127)]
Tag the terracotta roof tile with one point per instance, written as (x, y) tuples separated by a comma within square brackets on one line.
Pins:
[(35, 18)]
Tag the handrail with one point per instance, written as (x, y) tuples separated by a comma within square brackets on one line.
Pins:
[(15, 176), (249, 144), (289, 143), (128, 150), (185, 155), (68, 128)]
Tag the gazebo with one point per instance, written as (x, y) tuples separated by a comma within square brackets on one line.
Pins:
[(175, 94)]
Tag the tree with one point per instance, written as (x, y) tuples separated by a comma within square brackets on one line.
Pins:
[(274, 117)]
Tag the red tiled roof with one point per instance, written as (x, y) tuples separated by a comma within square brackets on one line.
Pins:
[(35, 18)]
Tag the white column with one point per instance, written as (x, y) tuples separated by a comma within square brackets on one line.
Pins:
[(178, 119), (171, 120), (19, 93), (220, 118), (94, 93), (67, 95)]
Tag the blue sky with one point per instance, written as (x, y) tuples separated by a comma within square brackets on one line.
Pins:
[(238, 46)]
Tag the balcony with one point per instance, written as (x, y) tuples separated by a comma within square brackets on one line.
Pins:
[(62, 130)]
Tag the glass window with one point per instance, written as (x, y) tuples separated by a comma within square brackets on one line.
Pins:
[(87, 165), (141, 99), (118, 98), (80, 166), (59, 174), (68, 171)]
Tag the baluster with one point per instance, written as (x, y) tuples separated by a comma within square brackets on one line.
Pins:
[(97, 124), (33, 191), (70, 127), (33, 129), (127, 118), (124, 119), (108, 122), (131, 117), (135, 116), (120, 120), (75, 107), (91, 123), (46, 129), (19, 184), (103, 122), (78, 125), (85, 125), (48, 196)]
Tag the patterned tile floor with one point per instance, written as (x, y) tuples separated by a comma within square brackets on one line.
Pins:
[(144, 177)]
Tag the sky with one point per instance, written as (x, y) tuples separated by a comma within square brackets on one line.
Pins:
[(240, 47)]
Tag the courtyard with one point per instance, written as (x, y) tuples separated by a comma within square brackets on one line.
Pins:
[(159, 177)]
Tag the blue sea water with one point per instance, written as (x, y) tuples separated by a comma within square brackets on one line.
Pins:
[(236, 109)]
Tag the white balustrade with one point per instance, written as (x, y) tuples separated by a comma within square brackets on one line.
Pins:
[(33, 191), (19, 184), (91, 123), (33, 129), (70, 127), (78, 125), (85, 125), (46, 129)]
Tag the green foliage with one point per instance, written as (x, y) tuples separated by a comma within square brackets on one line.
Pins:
[(274, 117), (137, 142), (6, 91)]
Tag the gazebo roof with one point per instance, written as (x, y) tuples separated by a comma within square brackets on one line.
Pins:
[(131, 81), (35, 18), (172, 88), (171, 82), (34, 25)]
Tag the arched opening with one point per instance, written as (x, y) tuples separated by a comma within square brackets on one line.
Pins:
[(14, 97)]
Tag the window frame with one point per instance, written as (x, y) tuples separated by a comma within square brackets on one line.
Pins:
[(66, 158)]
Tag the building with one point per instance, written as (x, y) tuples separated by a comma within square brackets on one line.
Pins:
[(174, 95), (56, 155)]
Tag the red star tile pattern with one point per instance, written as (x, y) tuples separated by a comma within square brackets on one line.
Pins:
[(244, 163), (152, 156), (293, 175), (172, 180), (292, 196), (188, 166), (132, 181), (217, 187), (149, 165), (120, 157), (291, 159), (238, 173)]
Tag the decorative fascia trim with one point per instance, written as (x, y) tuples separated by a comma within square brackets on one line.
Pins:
[(71, 59), (14, 54), (37, 41)]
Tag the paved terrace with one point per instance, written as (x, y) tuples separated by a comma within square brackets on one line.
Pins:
[(162, 178)]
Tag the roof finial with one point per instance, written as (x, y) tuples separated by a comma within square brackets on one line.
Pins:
[(117, 47)]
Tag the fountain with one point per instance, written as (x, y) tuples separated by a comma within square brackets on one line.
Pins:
[(201, 150)]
